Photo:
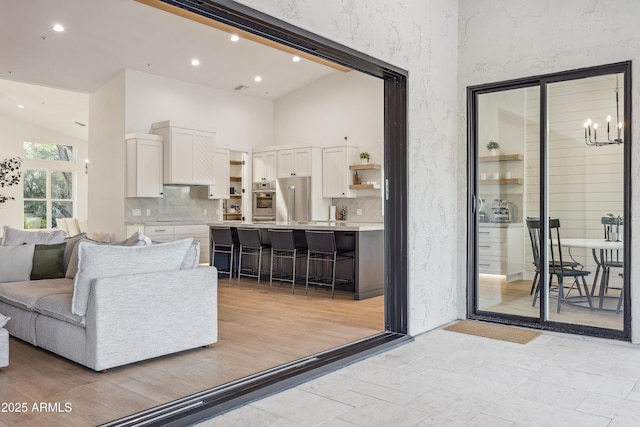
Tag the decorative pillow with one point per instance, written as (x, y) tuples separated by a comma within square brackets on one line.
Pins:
[(192, 258), (98, 261), (137, 239), (48, 261), (16, 263), (3, 320), (71, 242), (15, 237)]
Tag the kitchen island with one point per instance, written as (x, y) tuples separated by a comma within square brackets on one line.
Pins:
[(366, 240)]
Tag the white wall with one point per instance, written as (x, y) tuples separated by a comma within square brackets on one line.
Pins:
[(324, 112), (505, 39), (13, 133), (421, 37), (241, 121), (131, 102), (106, 159)]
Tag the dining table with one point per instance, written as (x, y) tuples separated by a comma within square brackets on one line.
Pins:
[(599, 248)]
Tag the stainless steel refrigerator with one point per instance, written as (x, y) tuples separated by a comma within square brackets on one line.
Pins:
[(294, 199)]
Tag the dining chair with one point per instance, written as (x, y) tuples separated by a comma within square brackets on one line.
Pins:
[(534, 236), (608, 259), (557, 265)]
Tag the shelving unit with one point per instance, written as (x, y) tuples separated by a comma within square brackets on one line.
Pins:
[(236, 168), (365, 167), (502, 188), (502, 181), (501, 158)]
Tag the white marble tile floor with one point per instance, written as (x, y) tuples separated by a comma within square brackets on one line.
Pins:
[(453, 379)]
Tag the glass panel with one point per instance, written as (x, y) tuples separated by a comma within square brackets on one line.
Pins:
[(61, 185), (38, 151), (35, 184), (585, 194), (35, 214), (510, 120), (60, 209)]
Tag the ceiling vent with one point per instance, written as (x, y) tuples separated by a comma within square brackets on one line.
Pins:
[(240, 88), (80, 124)]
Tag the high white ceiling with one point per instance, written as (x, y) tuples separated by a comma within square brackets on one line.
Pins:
[(51, 74)]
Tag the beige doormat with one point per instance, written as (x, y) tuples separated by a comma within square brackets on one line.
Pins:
[(493, 331)]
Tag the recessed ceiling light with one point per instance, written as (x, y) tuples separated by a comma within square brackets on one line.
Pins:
[(20, 106), (195, 62), (257, 79), (235, 37), (296, 58), (58, 28)]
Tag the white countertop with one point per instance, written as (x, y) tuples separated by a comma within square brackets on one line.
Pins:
[(306, 225), (302, 225)]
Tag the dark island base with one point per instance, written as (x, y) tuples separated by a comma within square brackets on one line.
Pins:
[(364, 276)]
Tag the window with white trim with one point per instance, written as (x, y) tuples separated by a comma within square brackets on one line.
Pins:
[(48, 184)]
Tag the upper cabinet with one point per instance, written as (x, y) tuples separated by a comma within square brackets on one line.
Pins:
[(144, 165), (294, 162), (220, 187), (189, 154), (335, 171), (264, 166)]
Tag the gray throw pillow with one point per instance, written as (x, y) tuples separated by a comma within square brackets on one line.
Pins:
[(99, 261), (48, 261), (15, 237), (192, 258), (71, 242), (16, 263)]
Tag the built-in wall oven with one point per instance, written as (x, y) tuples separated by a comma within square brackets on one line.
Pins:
[(264, 201)]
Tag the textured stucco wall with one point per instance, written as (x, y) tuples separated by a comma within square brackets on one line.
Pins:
[(421, 37), (505, 39)]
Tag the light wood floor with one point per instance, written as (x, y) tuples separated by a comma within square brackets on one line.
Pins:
[(499, 296), (258, 329)]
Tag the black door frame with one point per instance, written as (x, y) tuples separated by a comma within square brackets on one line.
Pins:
[(542, 81), (211, 402)]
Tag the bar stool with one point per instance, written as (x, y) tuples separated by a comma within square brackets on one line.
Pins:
[(322, 249), (222, 242), (285, 247), (250, 244)]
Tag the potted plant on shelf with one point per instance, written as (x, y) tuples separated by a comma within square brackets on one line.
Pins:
[(364, 157), (493, 146)]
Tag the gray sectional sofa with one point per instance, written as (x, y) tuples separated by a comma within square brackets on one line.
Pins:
[(116, 304)]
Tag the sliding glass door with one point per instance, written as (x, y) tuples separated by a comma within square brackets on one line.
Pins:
[(549, 197)]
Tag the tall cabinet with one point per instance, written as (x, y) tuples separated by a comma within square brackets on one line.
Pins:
[(336, 176), (232, 207)]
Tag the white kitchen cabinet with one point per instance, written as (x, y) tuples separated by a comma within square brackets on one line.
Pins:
[(170, 232), (188, 154), (264, 166), (500, 249), (160, 233), (294, 162), (144, 165), (220, 187), (335, 171)]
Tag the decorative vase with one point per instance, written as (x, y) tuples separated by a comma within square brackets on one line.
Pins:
[(364, 161), (494, 152)]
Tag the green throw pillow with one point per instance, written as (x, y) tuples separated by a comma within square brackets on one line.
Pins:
[(48, 262)]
